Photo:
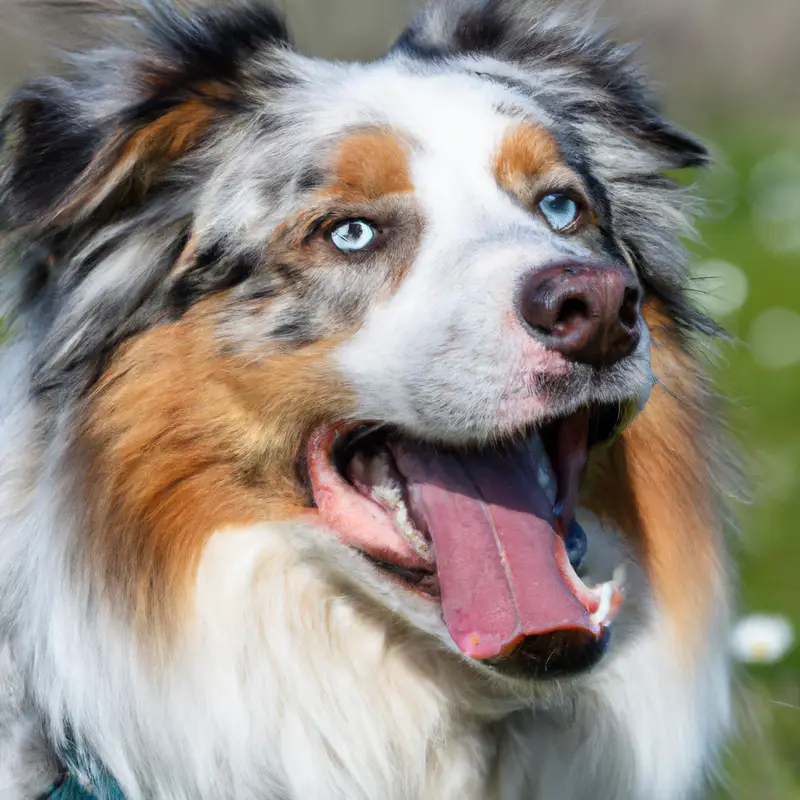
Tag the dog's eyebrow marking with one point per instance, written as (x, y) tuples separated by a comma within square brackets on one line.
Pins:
[(526, 152), (370, 164)]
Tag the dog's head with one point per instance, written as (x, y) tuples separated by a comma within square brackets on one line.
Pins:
[(404, 301)]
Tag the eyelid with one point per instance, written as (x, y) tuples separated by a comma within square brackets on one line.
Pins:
[(321, 225), (561, 180), (573, 193), (334, 221)]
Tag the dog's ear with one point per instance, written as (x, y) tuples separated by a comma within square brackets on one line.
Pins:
[(113, 129), (558, 47)]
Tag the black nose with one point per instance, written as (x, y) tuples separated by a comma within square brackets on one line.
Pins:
[(586, 312)]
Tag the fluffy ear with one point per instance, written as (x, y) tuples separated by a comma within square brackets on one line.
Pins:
[(114, 128)]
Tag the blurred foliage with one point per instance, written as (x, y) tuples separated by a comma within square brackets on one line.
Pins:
[(765, 418)]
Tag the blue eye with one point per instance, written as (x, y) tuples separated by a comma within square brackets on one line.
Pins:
[(353, 235), (560, 211)]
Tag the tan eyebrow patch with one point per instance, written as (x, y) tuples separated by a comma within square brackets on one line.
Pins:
[(526, 152), (370, 164)]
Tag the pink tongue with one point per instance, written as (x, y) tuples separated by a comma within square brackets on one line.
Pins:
[(497, 554)]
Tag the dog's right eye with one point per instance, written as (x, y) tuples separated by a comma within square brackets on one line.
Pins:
[(353, 235), (562, 213)]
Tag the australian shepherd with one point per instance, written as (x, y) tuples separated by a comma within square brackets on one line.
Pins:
[(355, 437)]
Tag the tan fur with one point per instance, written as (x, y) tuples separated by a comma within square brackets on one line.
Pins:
[(656, 483), (528, 162), (183, 441), (172, 134), (134, 159), (370, 164), (527, 150)]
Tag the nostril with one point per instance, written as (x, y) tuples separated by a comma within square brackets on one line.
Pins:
[(572, 309), (629, 310), (589, 313)]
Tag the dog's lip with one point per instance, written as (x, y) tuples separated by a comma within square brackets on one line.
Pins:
[(369, 533), (397, 561)]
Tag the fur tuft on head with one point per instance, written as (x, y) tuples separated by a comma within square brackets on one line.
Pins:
[(108, 159)]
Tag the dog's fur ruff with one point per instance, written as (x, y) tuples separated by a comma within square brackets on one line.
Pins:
[(178, 327)]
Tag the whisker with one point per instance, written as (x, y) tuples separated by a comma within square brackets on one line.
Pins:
[(669, 391), (367, 430)]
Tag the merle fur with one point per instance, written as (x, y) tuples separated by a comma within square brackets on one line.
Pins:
[(213, 270), (498, 29), (51, 138), (48, 138)]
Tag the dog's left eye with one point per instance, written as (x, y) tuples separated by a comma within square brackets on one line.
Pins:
[(560, 211), (355, 234)]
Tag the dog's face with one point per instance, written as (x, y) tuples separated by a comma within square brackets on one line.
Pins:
[(400, 301), (477, 301)]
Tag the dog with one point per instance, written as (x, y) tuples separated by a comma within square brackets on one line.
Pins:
[(357, 439)]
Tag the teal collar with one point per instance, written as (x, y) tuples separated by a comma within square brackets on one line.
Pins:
[(73, 788), (83, 780)]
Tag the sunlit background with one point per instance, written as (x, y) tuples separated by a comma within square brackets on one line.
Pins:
[(730, 69)]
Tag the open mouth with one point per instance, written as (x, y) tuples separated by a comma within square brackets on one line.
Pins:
[(489, 533)]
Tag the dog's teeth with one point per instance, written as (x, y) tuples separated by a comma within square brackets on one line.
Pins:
[(376, 477), (604, 609), (390, 496)]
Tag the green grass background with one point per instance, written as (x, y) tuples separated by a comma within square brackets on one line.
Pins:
[(765, 416)]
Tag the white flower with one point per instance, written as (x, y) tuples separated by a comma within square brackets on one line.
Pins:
[(762, 639)]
